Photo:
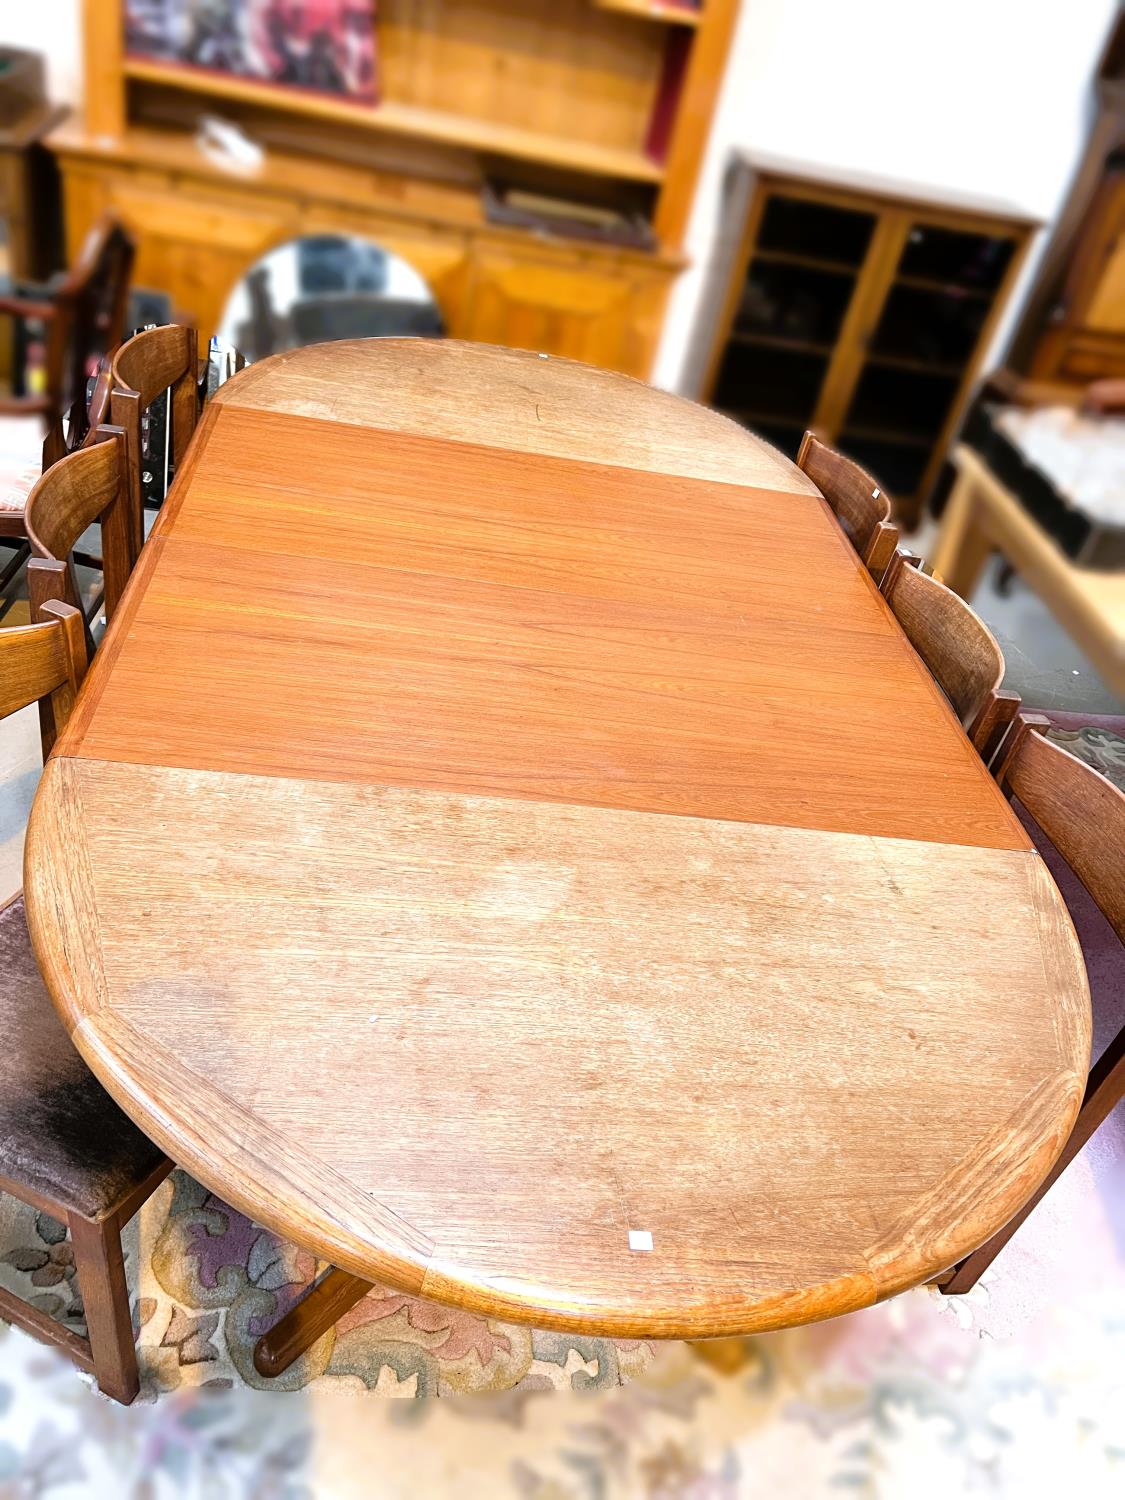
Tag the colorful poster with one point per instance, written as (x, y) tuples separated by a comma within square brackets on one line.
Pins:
[(327, 46)]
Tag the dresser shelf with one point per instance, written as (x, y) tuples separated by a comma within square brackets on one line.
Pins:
[(417, 121), (667, 12)]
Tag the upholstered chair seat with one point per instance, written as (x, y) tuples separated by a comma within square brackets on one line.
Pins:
[(21, 460), (61, 1135)]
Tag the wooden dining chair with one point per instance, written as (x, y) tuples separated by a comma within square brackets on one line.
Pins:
[(154, 364), (957, 647), (84, 487), (862, 508), (83, 318), (65, 1147), (1082, 815)]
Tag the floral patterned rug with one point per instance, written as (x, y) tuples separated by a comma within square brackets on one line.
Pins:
[(207, 1282), (919, 1399), (1016, 1391), (1097, 743)]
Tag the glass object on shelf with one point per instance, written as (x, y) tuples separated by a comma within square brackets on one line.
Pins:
[(898, 467), (325, 287), (793, 302), (934, 326), (902, 403), (951, 255), (796, 226), (757, 380)]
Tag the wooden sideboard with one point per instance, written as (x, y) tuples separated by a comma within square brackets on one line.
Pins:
[(605, 102), (855, 308), (197, 231), (1072, 328)]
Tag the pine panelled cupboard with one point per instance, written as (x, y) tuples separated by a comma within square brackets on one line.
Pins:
[(600, 102)]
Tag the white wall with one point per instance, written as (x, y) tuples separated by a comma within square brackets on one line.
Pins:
[(53, 28), (978, 96)]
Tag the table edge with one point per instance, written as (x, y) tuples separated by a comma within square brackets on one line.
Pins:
[(231, 392)]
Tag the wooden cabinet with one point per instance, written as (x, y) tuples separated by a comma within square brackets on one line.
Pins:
[(580, 306), (863, 315), (1073, 325), (197, 233), (29, 218), (1086, 339)]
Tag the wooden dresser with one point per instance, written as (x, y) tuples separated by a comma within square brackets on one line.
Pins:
[(602, 102), (1073, 326), (29, 227), (855, 308)]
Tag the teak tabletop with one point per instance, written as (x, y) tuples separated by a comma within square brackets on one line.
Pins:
[(507, 846)]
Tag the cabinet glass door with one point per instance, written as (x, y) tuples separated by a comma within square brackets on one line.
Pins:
[(931, 321), (798, 286)]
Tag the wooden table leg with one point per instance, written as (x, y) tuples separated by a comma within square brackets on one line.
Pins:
[(727, 1356), (309, 1319), (962, 547)]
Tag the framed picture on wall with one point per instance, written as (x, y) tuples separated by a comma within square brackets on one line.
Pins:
[(326, 46)]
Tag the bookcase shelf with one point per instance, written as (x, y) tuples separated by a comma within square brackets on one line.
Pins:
[(668, 12), (416, 121)]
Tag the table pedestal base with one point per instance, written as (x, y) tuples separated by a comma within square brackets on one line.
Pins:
[(309, 1319)]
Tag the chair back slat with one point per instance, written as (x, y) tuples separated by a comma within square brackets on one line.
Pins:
[(86, 486), (44, 664), (155, 359), (1079, 809), (153, 362), (862, 507), (50, 578), (955, 644), (993, 721)]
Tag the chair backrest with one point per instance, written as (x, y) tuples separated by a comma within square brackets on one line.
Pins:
[(88, 320), (153, 362), (862, 508), (957, 647), (84, 487), (1080, 811), (44, 663)]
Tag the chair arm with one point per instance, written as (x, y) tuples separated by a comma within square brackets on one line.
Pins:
[(24, 307), (24, 406)]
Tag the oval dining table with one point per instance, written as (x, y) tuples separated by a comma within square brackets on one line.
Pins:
[(506, 845)]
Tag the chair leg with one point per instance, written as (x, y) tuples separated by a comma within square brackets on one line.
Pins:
[(962, 548), (309, 1319), (1106, 1087), (105, 1295)]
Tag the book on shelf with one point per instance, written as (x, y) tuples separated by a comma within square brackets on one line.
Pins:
[(321, 46)]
